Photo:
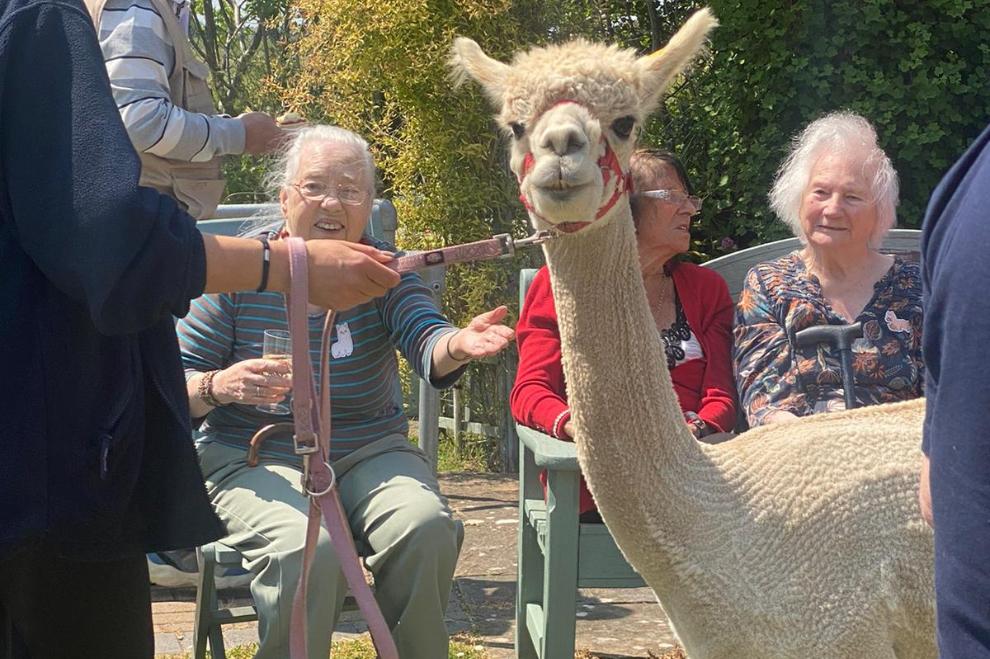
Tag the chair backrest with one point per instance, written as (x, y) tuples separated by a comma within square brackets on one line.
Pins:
[(734, 267), (906, 243), (231, 219), (525, 279)]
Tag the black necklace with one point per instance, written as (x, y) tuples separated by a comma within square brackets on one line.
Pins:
[(674, 335)]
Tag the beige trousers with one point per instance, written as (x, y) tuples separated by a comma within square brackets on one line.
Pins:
[(398, 517)]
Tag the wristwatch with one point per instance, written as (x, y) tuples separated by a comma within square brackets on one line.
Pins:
[(692, 419)]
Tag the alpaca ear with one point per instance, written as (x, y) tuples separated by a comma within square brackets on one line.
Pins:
[(658, 69), (467, 60)]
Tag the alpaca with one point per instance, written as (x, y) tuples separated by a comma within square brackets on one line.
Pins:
[(792, 541), (344, 345)]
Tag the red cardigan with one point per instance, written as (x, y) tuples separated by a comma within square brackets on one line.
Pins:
[(705, 386)]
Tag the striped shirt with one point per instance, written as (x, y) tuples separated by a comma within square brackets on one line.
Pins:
[(140, 57), (221, 330)]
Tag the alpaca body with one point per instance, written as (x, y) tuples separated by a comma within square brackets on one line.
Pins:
[(792, 541), (808, 529)]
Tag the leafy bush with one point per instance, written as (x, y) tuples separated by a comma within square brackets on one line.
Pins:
[(378, 67), (917, 71)]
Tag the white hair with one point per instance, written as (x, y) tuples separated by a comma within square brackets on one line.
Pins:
[(836, 133), (288, 160)]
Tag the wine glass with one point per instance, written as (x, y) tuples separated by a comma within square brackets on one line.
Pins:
[(277, 346)]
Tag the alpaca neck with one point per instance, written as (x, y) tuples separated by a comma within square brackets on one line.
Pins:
[(633, 445)]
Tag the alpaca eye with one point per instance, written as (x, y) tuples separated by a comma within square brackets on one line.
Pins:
[(622, 127), (518, 130)]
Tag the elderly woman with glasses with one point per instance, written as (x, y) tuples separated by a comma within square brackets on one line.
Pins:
[(691, 307), (397, 514), (837, 190)]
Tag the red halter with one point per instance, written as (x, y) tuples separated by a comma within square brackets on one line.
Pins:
[(608, 164)]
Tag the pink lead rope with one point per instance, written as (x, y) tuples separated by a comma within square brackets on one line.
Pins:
[(312, 435), (497, 246)]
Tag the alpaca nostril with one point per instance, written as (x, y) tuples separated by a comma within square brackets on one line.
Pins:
[(564, 141)]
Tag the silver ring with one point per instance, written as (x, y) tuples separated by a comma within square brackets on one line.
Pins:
[(333, 481), (259, 389)]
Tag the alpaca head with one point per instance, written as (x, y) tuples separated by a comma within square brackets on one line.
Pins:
[(573, 112)]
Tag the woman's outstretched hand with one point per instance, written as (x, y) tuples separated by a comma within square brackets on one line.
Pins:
[(484, 336)]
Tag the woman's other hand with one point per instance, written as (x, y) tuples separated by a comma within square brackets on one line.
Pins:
[(253, 382), (780, 416), (484, 336)]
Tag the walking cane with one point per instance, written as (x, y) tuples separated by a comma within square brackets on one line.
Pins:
[(842, 337)]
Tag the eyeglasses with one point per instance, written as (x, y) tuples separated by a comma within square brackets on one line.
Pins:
[(347, 193), (675, 197)]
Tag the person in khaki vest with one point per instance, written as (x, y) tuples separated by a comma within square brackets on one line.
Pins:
[(160, 89)]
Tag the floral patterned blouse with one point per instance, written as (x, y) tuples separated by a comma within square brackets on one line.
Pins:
[(780, 298)]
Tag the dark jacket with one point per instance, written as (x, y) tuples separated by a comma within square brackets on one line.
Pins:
[(956, 277), (95, 448)]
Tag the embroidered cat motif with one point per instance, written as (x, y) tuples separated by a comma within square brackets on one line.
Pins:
[(344, 346), (895, 324)]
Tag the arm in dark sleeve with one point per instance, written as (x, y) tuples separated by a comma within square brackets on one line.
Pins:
[(126, 253), (718, 395), (538, 398)]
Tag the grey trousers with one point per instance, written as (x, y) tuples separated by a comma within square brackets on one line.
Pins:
[(399, 519)]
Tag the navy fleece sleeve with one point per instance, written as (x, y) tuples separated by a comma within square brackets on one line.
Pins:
[(127, 253)]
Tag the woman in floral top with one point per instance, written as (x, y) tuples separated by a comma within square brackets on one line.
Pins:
[(838, 192)]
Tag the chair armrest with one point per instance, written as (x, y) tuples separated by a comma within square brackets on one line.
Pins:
[(549, 452)]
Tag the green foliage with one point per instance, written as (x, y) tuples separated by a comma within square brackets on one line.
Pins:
[(240, 42), (378, 67), (917, 71), (246, 180), (476, 451)]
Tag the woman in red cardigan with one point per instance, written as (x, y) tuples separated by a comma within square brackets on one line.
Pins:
[(691, 307)]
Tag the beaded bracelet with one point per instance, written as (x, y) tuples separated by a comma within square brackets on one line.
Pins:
[(205, 389), (557, 428)]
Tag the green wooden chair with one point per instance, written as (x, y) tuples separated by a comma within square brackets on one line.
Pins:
[(557, 554)]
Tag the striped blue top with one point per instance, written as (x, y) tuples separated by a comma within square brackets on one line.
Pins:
[(365, 394)]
